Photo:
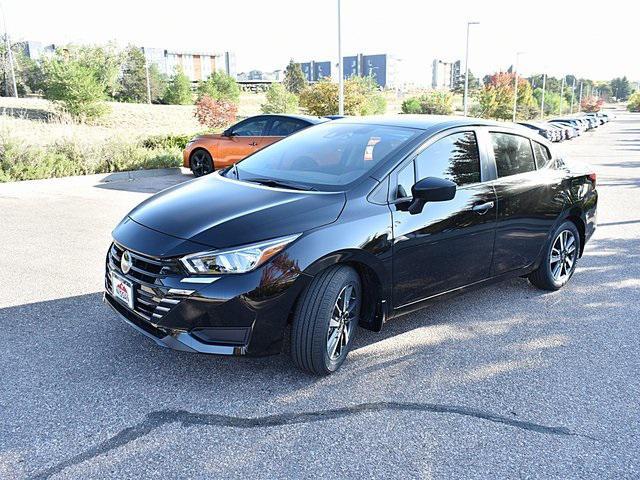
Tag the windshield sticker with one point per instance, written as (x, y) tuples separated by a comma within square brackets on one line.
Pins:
[(368, 151)]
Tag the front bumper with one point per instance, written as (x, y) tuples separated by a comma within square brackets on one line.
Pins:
[(174, 339), (244, 314)]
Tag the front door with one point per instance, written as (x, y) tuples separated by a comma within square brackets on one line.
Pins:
[(246, 138), (449, 244)]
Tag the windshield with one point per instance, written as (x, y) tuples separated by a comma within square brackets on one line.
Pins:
[(329, 154)]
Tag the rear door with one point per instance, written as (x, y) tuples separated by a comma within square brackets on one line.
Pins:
[(449, 244), (281, 127), (246, 137), (529, 198)]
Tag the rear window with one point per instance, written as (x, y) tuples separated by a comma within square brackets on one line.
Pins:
[(542, 154), (328, 154), (512, 153)]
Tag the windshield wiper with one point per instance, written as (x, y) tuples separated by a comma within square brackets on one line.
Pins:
[(272, 182)]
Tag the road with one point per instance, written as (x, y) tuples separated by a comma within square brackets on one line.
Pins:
[(503, 382)]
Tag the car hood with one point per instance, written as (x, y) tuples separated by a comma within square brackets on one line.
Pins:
[(219, 212)]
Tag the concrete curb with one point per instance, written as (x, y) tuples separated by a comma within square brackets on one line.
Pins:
[(135, 174)]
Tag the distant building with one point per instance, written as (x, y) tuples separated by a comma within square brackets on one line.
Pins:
[(196, 65), (315, 71), (260, 76), (445, 75), (383, 68), (36, 50)]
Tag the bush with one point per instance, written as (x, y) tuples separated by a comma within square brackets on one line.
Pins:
[(432, 103), (279, 100), (634, 102), (75, 89), (591, 104), (68, 157), (361, 97), (411, 105), (166, 141), (220, 86), (178, 90), (215, 113)]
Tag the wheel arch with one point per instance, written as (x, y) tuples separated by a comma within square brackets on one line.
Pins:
[(575, 215), (374, 279)]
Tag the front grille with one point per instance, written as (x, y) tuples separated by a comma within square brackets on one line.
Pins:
[(150, 300)]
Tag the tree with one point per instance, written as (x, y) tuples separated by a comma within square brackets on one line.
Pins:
[(279, 100), (634, 102), (214, 113), (73, 86), (178, 90), (294, 80), (433, 103), (103, 61), (591, 104), (133, 83), (553, 103), (495, 99), (361, 97), (220, 86), (621, 88), (473, 85)]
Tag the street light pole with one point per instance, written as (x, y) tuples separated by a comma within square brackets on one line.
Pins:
[(340, 67), (573, 93), (466, 72), (580, 98), (544, 84), (515, 95), (9, 54), (561, 93)]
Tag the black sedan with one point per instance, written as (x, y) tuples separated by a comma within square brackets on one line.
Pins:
[(348, 223)]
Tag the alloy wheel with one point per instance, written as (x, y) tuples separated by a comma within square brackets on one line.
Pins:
[(341, 323), (563, 256), (200, 163)]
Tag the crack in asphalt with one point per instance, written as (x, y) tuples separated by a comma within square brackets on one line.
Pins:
[(157, 419)]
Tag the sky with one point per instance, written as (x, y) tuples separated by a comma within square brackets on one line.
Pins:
[(594, 42)]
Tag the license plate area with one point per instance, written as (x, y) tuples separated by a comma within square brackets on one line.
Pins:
[(122, 290)]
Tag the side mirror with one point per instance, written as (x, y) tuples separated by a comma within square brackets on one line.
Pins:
[(227, 133), (431, 189)]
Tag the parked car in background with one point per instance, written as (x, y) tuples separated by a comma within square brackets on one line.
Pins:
[(209, 152), (557, 131), (543, 130), (345, 224), (568, 129)]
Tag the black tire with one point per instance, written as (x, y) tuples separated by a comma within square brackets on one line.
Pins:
[(314, 320), (546, 276), (201, 163)]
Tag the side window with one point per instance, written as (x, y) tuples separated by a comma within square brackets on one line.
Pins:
[(542, 154), (282, 127), (513, 154), (406, 180), (454, 157), (251, 128)]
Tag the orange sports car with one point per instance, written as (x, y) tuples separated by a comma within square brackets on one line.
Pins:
[(206, 153)]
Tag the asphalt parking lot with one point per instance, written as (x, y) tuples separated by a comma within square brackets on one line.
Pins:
[(504, 382)]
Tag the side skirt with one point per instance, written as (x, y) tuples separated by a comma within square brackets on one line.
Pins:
[(420, 304)]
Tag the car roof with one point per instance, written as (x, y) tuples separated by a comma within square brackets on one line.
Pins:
[(423, 122), (306, 118)]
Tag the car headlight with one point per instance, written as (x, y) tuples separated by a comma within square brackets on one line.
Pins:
[(235, 260)]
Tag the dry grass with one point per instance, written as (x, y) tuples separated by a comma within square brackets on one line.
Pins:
[(35, 122)]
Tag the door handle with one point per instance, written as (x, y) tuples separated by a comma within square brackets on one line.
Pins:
[(483, 208), (253, 144)]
